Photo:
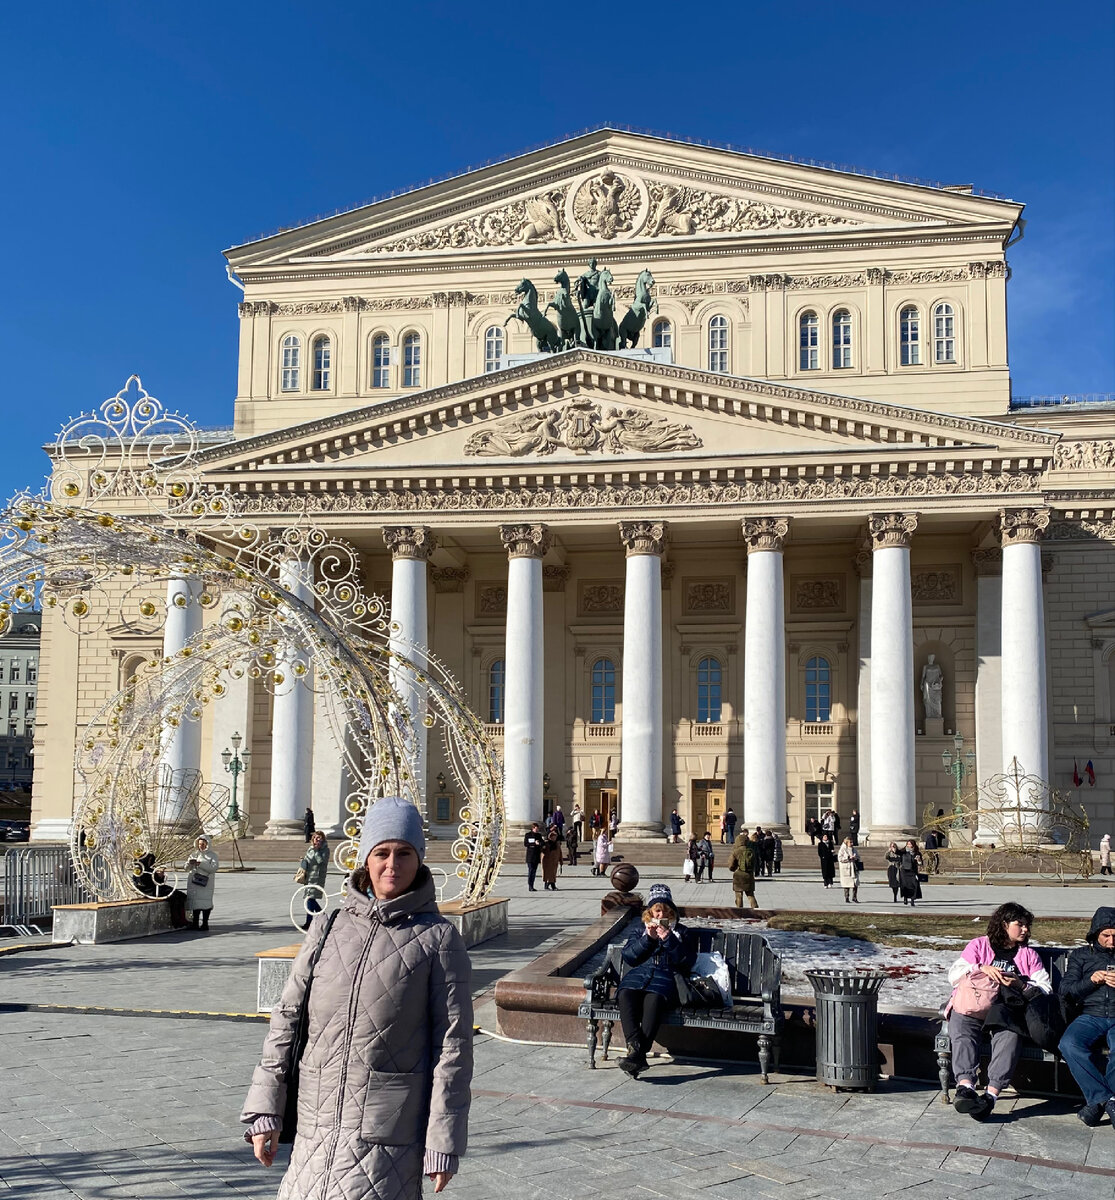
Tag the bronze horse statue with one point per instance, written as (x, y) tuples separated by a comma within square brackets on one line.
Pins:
[(569, 319), (603, 324), (632, 324), (546, 337)]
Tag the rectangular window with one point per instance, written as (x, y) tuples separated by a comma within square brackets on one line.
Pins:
[(810, 344), (29, 731), (412, 363), (32, 671), (819, 797), (15, 672), (30, 705), (841, 341), (911, 338), (13, 702), (381, 363), (12, 729), (323, 359)]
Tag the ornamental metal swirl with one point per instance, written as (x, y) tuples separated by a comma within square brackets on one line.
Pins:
[(116, 526)]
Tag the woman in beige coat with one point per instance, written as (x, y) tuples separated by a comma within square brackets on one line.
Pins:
[(383, 1093)]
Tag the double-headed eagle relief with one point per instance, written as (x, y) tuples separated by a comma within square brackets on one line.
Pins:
[(586, 311)]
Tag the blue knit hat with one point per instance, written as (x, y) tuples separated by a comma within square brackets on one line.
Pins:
[(659, 893), (391, 819)]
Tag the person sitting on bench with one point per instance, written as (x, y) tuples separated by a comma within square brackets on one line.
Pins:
[(1089, 982)]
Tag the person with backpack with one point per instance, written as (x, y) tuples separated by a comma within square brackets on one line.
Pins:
[(742, 867), (990, 968), (704, 849)]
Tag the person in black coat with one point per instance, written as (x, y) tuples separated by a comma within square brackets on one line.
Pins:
[(657, 948), (811, 829), (768, 853), (309, 827), (853, 826), (1089, 984), (826, 852), (910, 867), (534, 841), (894, 857)]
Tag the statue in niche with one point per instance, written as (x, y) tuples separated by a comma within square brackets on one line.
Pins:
[(932, 688)]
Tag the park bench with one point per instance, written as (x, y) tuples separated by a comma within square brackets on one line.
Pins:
[(1054, 959), (756, 996)]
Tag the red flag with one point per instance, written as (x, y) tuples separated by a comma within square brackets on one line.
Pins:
[(1077, 778), (1090, 773)]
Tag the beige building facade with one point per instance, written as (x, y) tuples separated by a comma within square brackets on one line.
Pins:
[(776, 556)]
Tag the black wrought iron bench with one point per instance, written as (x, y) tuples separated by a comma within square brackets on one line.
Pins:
[(756, 996), (1054, 959)]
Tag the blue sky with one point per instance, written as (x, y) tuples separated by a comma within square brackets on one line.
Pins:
[(141, 139)]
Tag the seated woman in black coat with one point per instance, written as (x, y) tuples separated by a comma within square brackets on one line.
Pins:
[(657, 948)]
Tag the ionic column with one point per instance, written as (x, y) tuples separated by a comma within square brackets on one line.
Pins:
[(411, 547), (893, 795), (292, 722), (764, 676), (1025, 712), (523, 707), (180, 744), (640, 802)]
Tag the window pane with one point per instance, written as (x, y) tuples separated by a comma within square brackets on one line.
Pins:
[(708, 691), (944, 334), (718, 344), (323, 358), (493, 348), (663, 334), (841, 339), (603, 691), (818, 706), (911, 337), (291, 363), (496, 683), (809, 357), (412, 360), (381, 361)]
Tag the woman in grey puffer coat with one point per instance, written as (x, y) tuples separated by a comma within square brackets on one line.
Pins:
[(383, 1094)]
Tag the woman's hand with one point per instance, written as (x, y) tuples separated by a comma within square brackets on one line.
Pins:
[(996, 975), (440, 1179), (265, 1146)]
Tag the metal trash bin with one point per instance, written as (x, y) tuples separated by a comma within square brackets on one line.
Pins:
[(847, 1027)]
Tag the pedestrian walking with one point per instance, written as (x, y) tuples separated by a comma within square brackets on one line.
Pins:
[(850, 866), (676, 822), (730, 823), (768, 853), (384, 1090), (1089, 984), (827, 857), (308, 824), (1105, 854), (894, 860), (704, 848), (601, 853), (853, 826), (910, 868), (577, 817), (572, 849), (202, 875), (689, 862), (533, 842), (742, 867), (778, 852), (625, 878), (311, 873), (811, 830), (551, 860)]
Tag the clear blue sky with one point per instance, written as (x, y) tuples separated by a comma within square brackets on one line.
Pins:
[(140, 139)]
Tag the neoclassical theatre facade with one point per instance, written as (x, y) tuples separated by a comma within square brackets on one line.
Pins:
[(776, 554)]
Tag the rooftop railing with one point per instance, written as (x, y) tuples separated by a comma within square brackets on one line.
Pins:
[(1058, 401)]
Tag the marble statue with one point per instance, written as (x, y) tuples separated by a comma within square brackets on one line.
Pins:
[(932, 687)]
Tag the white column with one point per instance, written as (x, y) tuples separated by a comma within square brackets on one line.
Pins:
[(989, 668), (292, 724), (1025, 712), (523, 709), (893, 794), (180, 745), (863, 692), (640, 800), (764, 676), (411, 547)]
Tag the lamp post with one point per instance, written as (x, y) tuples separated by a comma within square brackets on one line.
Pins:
[(958, 762), (236, 761)]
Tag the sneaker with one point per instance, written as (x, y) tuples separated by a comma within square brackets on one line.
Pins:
[(967, 1099), (1091, 1114), (985, 1107)]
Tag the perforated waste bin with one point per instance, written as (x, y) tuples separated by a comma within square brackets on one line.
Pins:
[(847, 1027)]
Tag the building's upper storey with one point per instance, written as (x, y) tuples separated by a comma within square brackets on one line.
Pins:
[(832, 280)]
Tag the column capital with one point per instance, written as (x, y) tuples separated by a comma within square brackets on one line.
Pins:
[(764, 533), (1019, 526), (988, 560), (410, 541), (643, 537), (891, 529), (525, 541)]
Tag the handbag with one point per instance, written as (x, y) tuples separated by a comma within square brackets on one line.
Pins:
[(298, 1044), (199, 879), (923, 877), (300, 875), (974, 994)]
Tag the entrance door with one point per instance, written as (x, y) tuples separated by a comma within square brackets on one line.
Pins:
[(707, 801), (600, 796)]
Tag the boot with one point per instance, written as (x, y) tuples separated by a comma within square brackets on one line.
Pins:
[(205, 921), (752, 901), (847, 895), (196, 917), (635, 1060)]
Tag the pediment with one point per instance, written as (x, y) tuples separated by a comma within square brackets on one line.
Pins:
[(584, 410), (607, 188)]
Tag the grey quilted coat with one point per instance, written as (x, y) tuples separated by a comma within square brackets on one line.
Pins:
[(388, 1062)]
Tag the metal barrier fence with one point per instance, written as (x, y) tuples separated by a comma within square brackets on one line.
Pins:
[(35, 879)]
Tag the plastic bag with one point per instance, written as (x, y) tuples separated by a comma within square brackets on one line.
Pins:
[(712, 965)]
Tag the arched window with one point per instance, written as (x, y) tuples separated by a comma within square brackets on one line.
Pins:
[(662, 335), (603, 691), (818, 690), (718, 344), (292, 363), (412, 360), (381, 361), (708, 691), (493, 348), (323, 364), (909, 337), (497, 677), (809, 341), (944, 334), (841, 339)]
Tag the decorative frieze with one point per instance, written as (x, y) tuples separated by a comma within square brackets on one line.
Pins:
[(680, 211), (709, 597), (1085, 456), (449, 579), (811, 593), (1018, 526), (1081, 529), (601, 597), (643, 537), (491, 599), (891, 529), (525, 541), (255, 308), (936, 585), (764, 533), (410, 541)]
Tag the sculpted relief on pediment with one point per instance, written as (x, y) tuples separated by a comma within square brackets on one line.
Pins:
[(583, 427), (610, 206)]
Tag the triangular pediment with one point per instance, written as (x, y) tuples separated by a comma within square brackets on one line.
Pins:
[(607, 189), (584, 409)]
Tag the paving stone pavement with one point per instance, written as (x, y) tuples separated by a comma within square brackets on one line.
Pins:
[(94, 1105)]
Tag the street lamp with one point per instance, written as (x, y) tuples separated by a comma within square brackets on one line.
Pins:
[(958, 763), (236, 761)]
